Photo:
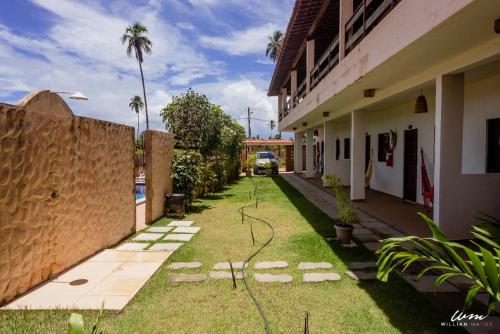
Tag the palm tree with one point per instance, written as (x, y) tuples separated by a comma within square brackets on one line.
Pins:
[(274, 45), (272, 125), (135, 39), (136, 105)]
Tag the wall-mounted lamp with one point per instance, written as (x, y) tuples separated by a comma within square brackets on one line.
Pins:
[(326, 114), (421, 104), (369, 92), (294, 129), (304, 124)]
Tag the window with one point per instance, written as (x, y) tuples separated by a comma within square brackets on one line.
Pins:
[(383, 145), (493, 154), (337, 149), (347, 148), (265, 155)]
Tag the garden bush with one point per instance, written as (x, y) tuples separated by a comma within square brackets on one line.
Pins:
[(187, 174)]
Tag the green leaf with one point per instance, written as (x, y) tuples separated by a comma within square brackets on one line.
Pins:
[(490, 268), (436, 232), (76, 325), (473, 290)]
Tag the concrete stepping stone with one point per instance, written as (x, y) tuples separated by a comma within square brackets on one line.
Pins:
[(225, 265), (225, 274), (183, 223), (159, 229), (352, 244), (166, 246), (132, 246), (270, 264), (367, 237), (361, 231), (362, 265), (270, 278), (362, 275), (178, 236), (148, 237), (182, 229), (184, 265), (186, 277), (320, 277), (426, 284), (314, 265)]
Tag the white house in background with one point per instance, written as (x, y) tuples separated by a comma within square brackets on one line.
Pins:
[(350, 72)]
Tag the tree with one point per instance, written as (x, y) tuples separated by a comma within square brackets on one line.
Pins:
[(136, 105), (272, 125), (274, 46), (140, 44), (188, 117)]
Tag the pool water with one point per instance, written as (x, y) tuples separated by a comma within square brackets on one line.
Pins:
[(139, 196), (140, 191)]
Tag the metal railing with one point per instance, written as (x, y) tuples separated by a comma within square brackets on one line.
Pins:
[(364, 19), (326, 63), (300, 93)]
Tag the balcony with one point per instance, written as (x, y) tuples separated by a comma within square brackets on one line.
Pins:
[(368, 14), (326, 63), (300, 93)]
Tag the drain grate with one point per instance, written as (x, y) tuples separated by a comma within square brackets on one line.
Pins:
[(80, 281)]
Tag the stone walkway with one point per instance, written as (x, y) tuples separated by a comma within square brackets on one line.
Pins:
[(448, 298), (113, 275)]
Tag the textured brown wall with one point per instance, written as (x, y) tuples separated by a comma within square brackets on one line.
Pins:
[(159, 149), (66, 189)]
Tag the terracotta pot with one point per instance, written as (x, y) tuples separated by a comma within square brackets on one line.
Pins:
[(248, 172), (344, 232), (268, 172)]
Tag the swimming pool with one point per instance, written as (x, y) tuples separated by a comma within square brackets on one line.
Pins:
[(140, 191)]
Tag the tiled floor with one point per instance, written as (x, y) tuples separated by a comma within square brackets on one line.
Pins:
[(113, 277)]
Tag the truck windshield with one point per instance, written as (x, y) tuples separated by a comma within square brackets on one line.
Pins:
[(265, 155)]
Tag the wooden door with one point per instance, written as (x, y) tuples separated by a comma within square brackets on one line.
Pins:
[(493, 156), (410, 165)]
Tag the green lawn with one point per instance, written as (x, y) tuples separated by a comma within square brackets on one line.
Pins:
[(212, 306)]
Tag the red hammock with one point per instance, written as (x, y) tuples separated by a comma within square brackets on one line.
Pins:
[(427, 187)]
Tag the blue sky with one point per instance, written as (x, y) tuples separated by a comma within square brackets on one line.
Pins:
[(215, 46)]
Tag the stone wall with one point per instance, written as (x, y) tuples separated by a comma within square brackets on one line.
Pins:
[(66, 189), (159, 150)]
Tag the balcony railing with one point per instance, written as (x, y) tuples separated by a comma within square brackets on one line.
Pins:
[(364, 19), (285, 109), (328, 60), (300, 93)]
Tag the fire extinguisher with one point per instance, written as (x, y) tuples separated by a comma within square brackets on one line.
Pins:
[(389, 160)]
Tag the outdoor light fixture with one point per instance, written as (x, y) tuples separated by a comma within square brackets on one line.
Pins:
[(304, 124), (421, 105), (369, 92), (74, 95), (294, 129), (326, 114)]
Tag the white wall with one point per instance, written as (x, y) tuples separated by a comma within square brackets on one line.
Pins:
[(481, 102), (342, 167), (398, 118)]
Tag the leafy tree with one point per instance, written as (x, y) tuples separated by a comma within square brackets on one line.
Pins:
[(136, 105), (186, 174), (272, 125), (274, 46), (140, 44), (187, 116)]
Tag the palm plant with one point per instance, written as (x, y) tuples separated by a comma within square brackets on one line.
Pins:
[(140, 44), (136, 105), (272, 125), (480, 265), (274, 46)]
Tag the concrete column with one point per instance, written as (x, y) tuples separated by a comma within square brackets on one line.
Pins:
[(358, 143), (329, 138), (293, 83), (309, 63), (280, 104), (297, 152), (346, 11), (309, 153), (283, 98), (448, 147)]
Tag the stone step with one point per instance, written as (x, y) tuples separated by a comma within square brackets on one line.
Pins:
[(166, 246), (179, 236), (187, 229), (186, 277), (362, 265), (314, 265), (184, 265), (133, 246), (183, 223), (159, 229), (225, 265), (148, 236), (362, 275), (225, 274), (320, 277)]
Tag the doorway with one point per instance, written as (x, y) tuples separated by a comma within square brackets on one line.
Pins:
[(367, 151), (410, 165), (493, 155)]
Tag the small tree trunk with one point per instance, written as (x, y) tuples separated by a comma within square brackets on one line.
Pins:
[(137, 125), (144, 93)]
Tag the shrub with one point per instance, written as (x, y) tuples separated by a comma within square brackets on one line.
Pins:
[(218, 177), (348, 214), (250, 161), (186, 174)]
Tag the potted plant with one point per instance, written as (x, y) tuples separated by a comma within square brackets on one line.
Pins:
[(347, 212), (267, 168), (249, 165)]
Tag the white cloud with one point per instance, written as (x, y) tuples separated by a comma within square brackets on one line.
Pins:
[(249, 41), (185, 26)]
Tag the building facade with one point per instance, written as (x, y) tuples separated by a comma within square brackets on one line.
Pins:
[(400, 83)]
